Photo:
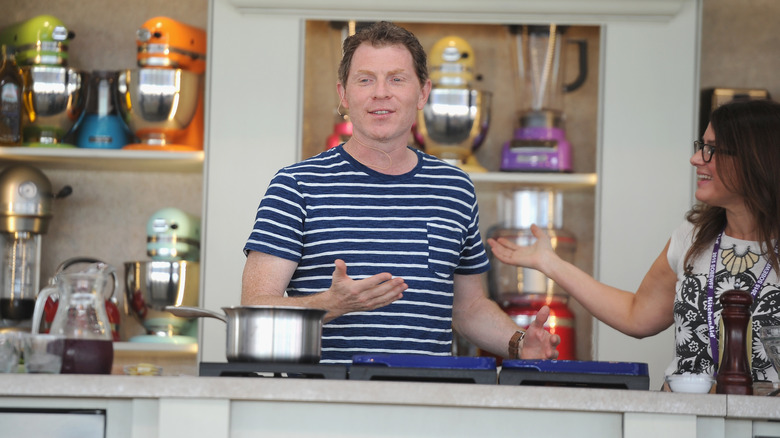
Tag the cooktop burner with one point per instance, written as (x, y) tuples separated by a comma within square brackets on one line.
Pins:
[(418, 368), (274, 369), (572, 373)]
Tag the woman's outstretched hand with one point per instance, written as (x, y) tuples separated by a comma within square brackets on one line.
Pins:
[(533, 256)]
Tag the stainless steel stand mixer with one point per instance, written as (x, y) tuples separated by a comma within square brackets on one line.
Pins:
[(170, 278), (455, 120)]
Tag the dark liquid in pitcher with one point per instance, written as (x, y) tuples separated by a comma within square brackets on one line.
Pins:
[(87, 356), (16, 309)]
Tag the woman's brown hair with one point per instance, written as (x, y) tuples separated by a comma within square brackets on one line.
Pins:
[(750, 132)]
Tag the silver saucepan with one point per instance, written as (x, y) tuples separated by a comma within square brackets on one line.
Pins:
[(267, 333)]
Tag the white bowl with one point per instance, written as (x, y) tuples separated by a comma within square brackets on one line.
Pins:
[(691, 383)]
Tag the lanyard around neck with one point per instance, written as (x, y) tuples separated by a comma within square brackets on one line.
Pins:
[(711, 296)]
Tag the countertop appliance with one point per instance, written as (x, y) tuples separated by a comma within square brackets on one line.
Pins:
[(614, 375), (162, 100), (152, 285), (377, 367), (172, 235), (342, 127), (449, 369), (40, 40), (455, 120), (170, 278), (102, 127), (54, 94), (521, 292), (25, 214), (540, 143)]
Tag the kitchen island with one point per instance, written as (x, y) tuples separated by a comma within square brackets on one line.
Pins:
[(216, 407)]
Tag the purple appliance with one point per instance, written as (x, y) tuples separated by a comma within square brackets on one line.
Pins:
[(540, 143)]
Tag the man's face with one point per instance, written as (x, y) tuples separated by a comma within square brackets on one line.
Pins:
[(383, 93)]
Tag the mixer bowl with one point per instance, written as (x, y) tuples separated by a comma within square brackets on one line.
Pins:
[(152, 285), (54, 99), (158, 103), (454, 122)]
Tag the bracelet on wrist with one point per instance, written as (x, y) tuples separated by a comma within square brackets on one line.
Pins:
[(514, 344)]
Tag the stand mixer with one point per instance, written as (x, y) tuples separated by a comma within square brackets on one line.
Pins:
[(171, 278), (455, 120), (342, 126), (162, 101), (54, 94), (540, 144)]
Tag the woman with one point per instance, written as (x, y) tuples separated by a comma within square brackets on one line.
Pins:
[(736, 223)]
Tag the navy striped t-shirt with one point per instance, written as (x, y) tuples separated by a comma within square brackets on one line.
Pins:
[(422, 226)]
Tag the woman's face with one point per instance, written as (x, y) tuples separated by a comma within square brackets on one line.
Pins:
[(710, 189), (383, 93)]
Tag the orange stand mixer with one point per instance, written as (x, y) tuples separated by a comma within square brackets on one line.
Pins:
[(162, 100)]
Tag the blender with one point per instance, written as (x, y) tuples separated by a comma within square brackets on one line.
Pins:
[(53, 93), (25, 212), (519, 291), (171, 278), (162, 100), (540, 143), (454, 122)]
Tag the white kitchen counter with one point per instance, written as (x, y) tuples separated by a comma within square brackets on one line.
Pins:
[(242, 406)]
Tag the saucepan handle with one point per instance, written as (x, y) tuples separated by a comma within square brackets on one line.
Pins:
[(194, 312)]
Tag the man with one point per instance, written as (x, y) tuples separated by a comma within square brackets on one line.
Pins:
[(403, 222)]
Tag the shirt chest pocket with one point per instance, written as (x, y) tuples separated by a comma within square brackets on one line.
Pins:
[(444, 247)]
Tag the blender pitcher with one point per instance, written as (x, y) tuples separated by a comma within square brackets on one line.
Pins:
[(82, 319)]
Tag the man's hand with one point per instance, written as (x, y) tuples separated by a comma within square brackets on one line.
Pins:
[(538, 342), (348, 295)]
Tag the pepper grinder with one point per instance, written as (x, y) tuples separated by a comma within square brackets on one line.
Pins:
[(734, 375)]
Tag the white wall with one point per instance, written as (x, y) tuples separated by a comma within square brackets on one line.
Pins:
[(252, 130), (650, 91)]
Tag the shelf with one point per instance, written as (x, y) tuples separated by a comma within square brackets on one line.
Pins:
[(105, 159), (537, 179)]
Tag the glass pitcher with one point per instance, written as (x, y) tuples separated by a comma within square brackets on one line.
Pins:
[(81, 317)]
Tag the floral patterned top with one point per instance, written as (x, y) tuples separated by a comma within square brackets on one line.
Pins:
[(739, 265)]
